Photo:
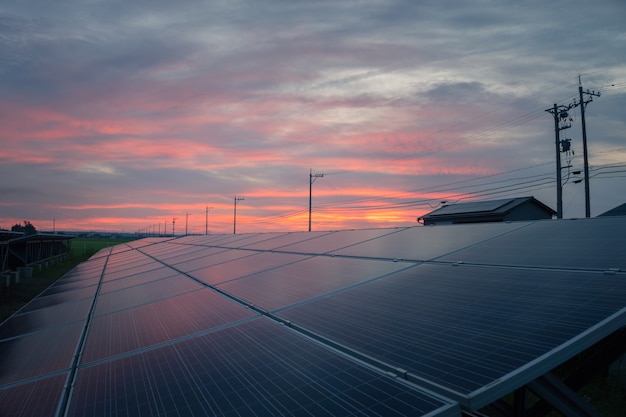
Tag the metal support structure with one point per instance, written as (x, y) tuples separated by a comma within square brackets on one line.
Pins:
[(235, 215), (561, 397), (312, 178)]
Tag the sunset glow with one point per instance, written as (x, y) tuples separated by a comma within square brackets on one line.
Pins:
[(136, 122)]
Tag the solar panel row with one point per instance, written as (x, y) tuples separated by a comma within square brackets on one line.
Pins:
[(306, 323)]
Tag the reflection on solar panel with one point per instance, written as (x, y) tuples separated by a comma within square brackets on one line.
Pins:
[(411, 321)]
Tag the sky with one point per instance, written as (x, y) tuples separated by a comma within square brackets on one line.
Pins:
[(160, 116)]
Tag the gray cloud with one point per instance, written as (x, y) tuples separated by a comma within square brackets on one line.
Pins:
[(151, 103)]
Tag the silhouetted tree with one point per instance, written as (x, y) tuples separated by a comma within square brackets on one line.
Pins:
[(27, 228)]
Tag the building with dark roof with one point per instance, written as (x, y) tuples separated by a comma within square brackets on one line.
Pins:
[(616, 211), (510, 209)]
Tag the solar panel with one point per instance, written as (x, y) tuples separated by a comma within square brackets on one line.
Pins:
[(358, 322), (425, 243), (144, 293), (213, 256), (39, 398), (59, 298), (241, 267), (583, 243), (306, 279), (160, 321), (40, 353), (465, 328), (182, 253), (44, 318), (257, 368), (277, 240), (329, 242), (132, 280)]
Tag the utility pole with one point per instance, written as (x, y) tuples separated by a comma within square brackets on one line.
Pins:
[(206, 220), (186, 223), (235, 215), (583, 103), (312, 178), (174, 226), (560, 123)]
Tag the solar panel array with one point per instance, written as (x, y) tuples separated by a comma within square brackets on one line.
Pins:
[(408, 321)]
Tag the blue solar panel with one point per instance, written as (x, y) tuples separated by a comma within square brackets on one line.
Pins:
[(39, 398), (144, 293), (320, 323), (216, 256), (282, 239), (160, 321), (464, 327), (428, 242), (248, 265), (60, 298), (306, 279), (254, 369), (329, 242), (133, 280), (584, 243), (58, 315), (38, 353)]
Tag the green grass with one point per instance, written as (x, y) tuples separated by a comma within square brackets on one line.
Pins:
[(84, 248), (28, 288)]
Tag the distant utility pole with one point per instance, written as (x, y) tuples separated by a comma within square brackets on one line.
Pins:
[(174, 226), (583, 103), (312, 178), (186, 223), (206, 220), (235, 215), (561, 122)]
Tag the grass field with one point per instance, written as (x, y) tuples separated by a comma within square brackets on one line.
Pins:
[(84, 248)]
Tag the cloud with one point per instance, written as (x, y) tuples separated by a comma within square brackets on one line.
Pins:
[(145, 110)]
